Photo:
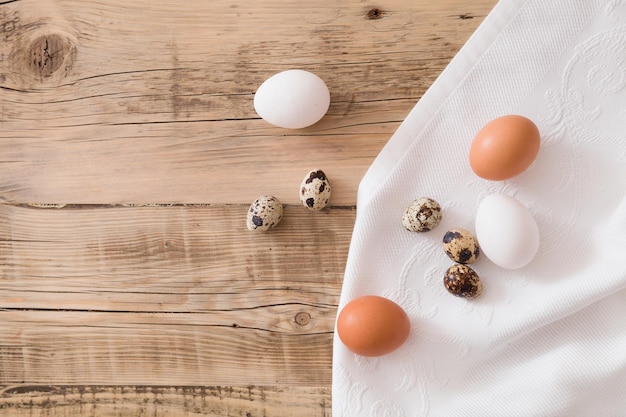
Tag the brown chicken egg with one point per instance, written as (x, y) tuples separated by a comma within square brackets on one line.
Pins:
[(504, 147), (372, 326)]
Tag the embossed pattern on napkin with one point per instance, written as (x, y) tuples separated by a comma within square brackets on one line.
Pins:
[(546, 340)]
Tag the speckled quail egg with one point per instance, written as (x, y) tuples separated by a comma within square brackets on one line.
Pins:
[(462, 281), (461, 246), (264, 213), (315, 190), (422, 215)]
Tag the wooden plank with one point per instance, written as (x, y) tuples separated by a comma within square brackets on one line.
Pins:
[(152, 294), (157, 401), (87, 348), (182, 258), (152, 101), (174, 309)]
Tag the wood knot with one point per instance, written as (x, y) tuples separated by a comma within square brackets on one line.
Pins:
[(40, 56), (303, 318), (48, 54), (375, 13)]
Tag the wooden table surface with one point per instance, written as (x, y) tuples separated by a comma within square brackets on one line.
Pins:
[(129, 153)]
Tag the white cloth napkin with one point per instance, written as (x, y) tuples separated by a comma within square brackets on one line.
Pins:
[(545, 340)]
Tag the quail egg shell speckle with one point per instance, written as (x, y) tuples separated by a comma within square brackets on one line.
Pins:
[(461, 246), (422, 215), (264, 213), (462, 281), (315, 190)]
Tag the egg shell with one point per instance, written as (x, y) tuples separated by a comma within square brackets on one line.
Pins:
[(292, 99), (264, 213), (504, 147), (373, 326), (422, 215), (462, 281), (315, 190), (461, 246), (506, 231)]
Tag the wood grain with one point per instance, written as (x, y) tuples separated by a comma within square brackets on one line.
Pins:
[(130, 151), (153, 102), (147, 295), (157, 401)]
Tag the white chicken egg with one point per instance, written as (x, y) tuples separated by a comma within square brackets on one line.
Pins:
[(506, 231), (292, 99)]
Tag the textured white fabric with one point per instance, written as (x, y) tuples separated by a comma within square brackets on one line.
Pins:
[(545, 340)]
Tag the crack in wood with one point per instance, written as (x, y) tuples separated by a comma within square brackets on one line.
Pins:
[(97, 206)]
